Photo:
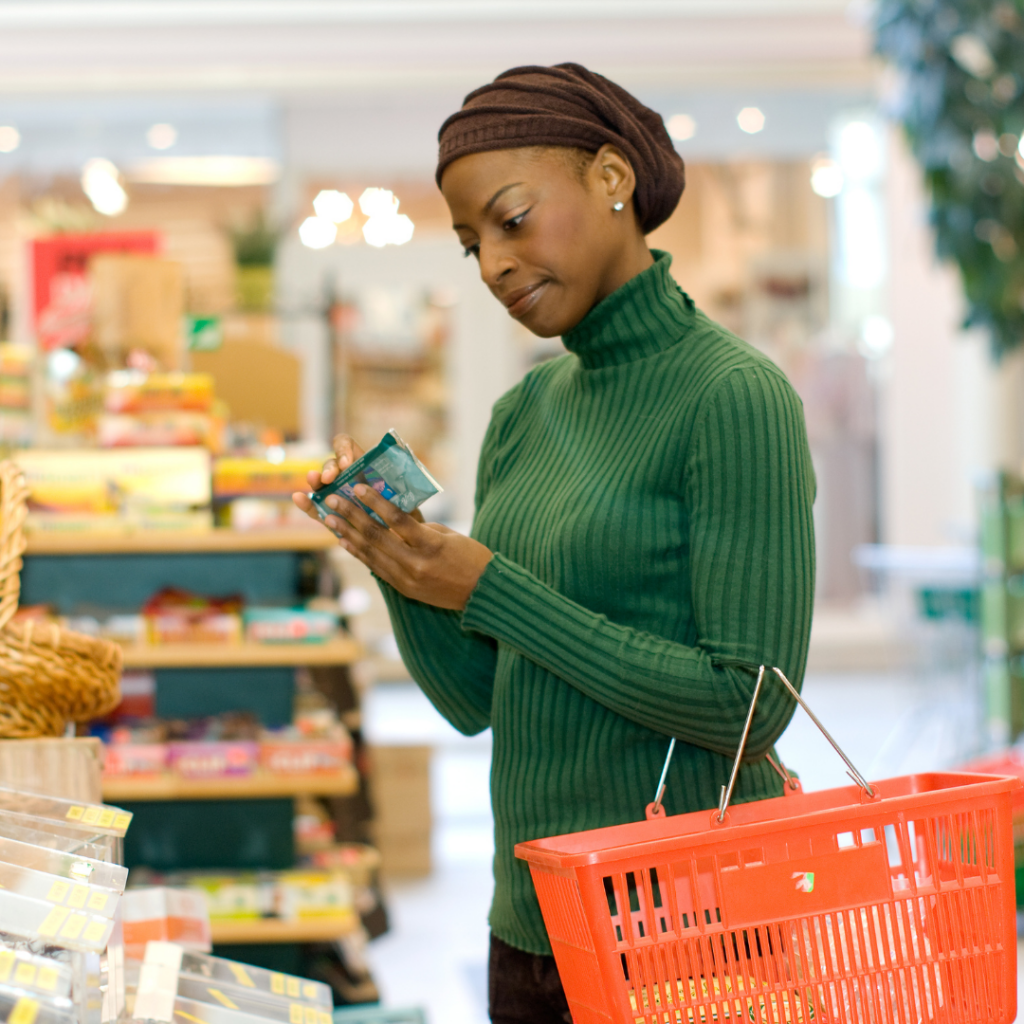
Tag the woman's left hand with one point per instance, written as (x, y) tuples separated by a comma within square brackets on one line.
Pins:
[(424, 561)]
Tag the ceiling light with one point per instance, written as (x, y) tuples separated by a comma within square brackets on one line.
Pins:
[(10, 138), (317, 233), (826, 177), (681, 127), (860, 151), (390, 229), (101, 183), (223, 171), (378, 202), (162, 136), (751, 120), (333, 205)]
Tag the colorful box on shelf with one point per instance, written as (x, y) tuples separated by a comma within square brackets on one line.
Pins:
[(165, 914), (132, 391), (184, 627), (134, 759), (157, 430), (202, 759), (259, 478), (245, 897), (289, 625), (299, 895), (305, 757)]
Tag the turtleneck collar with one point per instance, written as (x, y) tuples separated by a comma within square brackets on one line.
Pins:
[(647, 315)]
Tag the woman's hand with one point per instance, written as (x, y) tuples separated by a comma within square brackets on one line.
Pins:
[(424, 561)]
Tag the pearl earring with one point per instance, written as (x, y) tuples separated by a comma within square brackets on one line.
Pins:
[(619, 206)]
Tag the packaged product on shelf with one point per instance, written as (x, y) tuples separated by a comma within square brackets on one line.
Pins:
[(160, 913), (133, 391), (293, 755), (242, 897), (157, 430), (300, 895), (117, 490), (391, 469), (174, 615), (358, 861), (204, 759), (134, 759), (289, 625)]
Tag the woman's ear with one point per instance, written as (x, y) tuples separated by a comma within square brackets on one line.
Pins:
[(614, 175)]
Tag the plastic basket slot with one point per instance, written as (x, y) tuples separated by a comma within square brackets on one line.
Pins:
[(560, 900)]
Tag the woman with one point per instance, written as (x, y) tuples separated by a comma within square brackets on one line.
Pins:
[(643, 537)]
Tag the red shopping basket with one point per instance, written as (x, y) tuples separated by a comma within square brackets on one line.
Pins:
[(888, 903)]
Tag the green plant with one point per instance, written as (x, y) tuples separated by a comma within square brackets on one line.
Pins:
[(960, 67), (254, 243)]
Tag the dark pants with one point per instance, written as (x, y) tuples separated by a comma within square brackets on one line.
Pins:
[(524, 988)]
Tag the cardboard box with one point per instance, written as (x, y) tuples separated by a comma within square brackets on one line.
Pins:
[(138, 303), (402, 823), (171, 915)]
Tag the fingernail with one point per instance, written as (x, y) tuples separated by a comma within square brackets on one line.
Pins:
[(361, 490)]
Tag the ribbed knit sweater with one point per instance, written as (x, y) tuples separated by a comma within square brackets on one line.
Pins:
[(648, 501)]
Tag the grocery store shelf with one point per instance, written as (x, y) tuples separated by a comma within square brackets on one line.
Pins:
[(342, 650), (250, 787), (296, 538), (322, 929)]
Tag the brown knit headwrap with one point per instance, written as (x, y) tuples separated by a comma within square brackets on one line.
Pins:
[(567, 105)]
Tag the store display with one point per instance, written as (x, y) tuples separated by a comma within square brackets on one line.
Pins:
[(391, 469), (252, 493), (159, 913), (117, 491), (289, 625), (15, 394), (174, 616)]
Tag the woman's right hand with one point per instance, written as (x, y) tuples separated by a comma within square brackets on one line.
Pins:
[(346, 451)]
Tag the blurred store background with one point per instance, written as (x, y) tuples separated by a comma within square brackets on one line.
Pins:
[(219, 233)]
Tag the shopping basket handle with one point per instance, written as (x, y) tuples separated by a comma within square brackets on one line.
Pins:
[(655, 810)]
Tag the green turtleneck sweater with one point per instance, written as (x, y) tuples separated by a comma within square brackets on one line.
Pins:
[(648, 501)]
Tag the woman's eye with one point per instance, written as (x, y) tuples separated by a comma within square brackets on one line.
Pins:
[(513, 222), (472, 250)]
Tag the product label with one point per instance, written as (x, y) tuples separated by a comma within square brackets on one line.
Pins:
[(78, 896), (25, 1012), (241, 975), (53, 920), (58, 891)]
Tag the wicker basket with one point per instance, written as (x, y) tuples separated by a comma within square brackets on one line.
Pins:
[(48, 676)]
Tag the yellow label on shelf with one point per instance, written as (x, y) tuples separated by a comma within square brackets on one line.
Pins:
[(24, 1012), (308, 991), (310, 1015), (323, 1017), (293, 988), (58, 891), (221, 998), (94, 931), (122, 821), (295, 1014), (98, 900), (73, 926), (277, 984), (53, 920), (91, 816), (78, 896), (47, 979), (106, 817), (25, 973), (241, 975), (75, 813), (6, 963), (188, 1016)]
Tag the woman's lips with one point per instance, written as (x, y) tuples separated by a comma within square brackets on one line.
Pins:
[(524, 299)]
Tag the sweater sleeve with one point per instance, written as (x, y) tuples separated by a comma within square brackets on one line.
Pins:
[(455, 669), (748, 489)]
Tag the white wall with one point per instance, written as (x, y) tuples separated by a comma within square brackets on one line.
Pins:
[(948, 413)]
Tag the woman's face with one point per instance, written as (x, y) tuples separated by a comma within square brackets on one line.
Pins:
[(549, 243)]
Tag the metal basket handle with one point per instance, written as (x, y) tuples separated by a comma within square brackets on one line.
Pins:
[(655, 810)]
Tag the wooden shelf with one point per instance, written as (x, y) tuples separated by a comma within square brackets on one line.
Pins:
[(342, 650), (296, 538), (272, 930), (251, 787)]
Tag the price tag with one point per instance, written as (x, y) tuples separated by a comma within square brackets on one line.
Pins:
[(25, 1012)]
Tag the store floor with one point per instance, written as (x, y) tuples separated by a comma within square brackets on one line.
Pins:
[(435, 955)]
